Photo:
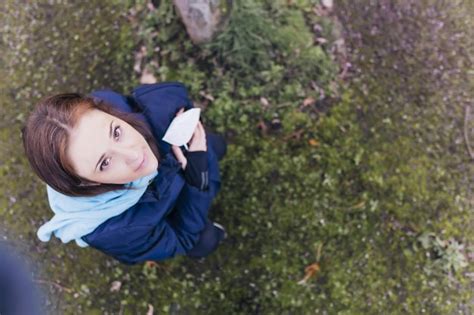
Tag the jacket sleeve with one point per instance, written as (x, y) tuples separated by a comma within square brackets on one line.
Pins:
[(193, 204), (139, 235), (144, 242), (196, 172), (192, 208)]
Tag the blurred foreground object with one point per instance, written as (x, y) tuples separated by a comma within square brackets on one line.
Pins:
[(18, 295), (203, 18)]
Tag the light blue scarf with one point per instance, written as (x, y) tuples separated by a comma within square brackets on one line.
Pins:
[(78, 216)]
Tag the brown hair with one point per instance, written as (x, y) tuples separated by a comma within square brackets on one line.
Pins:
[(46, 138)]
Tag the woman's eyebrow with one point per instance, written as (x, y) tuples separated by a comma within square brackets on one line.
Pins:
[(110, 136)]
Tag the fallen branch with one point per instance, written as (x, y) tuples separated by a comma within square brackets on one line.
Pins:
[(55, 284), (294, 135), (467, 114)]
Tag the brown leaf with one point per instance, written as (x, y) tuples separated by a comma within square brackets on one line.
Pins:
[(115, 286), (265, 103), (321, 40), (317, 28), (151, 264), (207, 96), (313, 142), (150, 6), (147, 77), (359, 205), (150, 310), (309, 101), (310, 272), (328, 4), (139, 55), (296, 135)]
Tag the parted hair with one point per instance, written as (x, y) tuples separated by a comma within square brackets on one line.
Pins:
[(46, 139)]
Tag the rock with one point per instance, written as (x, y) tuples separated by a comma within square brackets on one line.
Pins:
[(203, 18), (328, 4)]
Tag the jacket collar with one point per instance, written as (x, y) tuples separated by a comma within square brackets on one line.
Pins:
[(167, 171)]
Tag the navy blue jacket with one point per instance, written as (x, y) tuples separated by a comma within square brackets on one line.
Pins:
[(168, 218)]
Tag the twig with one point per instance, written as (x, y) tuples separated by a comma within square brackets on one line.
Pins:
[(318, 251), (295, 135), (467, 114), (57, 285)]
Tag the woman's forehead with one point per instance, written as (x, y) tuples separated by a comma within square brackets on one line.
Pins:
[(91, 121), (88, 140)]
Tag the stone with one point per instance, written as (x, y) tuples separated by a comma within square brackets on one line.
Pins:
[(203, 19), (328, 4)]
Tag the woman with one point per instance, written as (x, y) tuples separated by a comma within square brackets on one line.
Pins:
[(114, 184)]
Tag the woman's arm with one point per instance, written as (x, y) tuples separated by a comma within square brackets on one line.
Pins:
[(194, 161), (139, 234), (143, 232)]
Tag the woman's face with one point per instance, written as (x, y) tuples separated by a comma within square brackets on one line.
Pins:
[(106, 149)]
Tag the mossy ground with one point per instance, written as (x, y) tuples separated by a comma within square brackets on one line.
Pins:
[(362, 166)]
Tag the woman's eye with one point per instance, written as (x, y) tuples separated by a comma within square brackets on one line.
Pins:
[(117, 132), (104, 164)]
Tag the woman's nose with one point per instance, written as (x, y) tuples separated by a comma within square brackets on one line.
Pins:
[(131, 155)]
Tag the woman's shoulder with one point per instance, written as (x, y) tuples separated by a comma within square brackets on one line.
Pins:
[(117, 100), (165, 98), (176, 88), (144, 95)]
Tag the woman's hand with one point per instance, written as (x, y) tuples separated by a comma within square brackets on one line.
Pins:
[(177, 150), (179, 156), (198, 141)]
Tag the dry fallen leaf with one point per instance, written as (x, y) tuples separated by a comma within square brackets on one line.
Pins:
[(115, 286), (310, 272), (313, 142), (321, 40), (151, 264), (150, 6), (317, 28), (147, 77), (139, 55), (309, 101), (328, 4), (150, 310), (359, 205), (207, 96)]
